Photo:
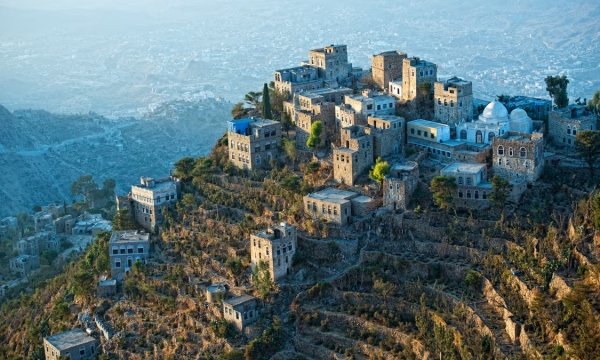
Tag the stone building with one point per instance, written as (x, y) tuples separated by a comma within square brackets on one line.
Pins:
[(241, 311), (125, 248), (106, 287), (453, 101), (425, 130), (24, 264), (564, 124), (537, 109), (388, 134), (383, 104), (472, 183), (296, 79), (332, 62), (400, 184), (253, 142), (74, 344), (275, 246), (386, 67), (354, 155), (494, 121), (518, 155), (312, 107), (332, 205), (414, 72), (64, 224), (216, 292), (146, 201)]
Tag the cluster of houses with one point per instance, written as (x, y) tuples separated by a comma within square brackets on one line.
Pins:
[(361, 126)]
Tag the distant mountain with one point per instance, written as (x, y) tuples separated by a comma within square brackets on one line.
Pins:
[(42, 153)]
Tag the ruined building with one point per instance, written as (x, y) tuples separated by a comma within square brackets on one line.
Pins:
[(354, 155), (400, 184), (518, 155), (146, 201), (275, 246), (387, 67), (564, 124), (253, 142), (125, 248), (388, 135), (453, 101)]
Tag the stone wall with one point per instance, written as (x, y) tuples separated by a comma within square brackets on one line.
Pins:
[(387, 67), (561, 124), (453, 103), (515, 158)]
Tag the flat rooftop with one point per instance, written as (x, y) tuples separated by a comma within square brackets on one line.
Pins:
[(362, 199), (323, 91), (470, 168), (519, 138), (387, 117), (456, 81), (158, 185), (358, 98), (69, 339), (406, 166), (333, 195), (345, 150), (128, 235), (428, 123), (258, 123), (239, 300)]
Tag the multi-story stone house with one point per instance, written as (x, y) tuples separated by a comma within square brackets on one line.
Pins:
[(453, 101), (472, 183), (564, 124), (354, 155), (275, 246), (253, 142), (386, 67), (518, 155), (388, 134), (311, 108), (125, 248), (383, 104), (241, 311), (331, 205), (414, 72), (74, 344), (146, 201), (400, 184), (332, 62), (296, 79), (24, 264)]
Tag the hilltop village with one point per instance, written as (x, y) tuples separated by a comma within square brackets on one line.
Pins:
[(346, 213)]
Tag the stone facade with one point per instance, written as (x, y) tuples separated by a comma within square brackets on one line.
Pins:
[(323, 112), (74, 344), (354, 155), (414, 72), (387, 67), (296, 79), (253, 142), (146, 201), (564, 124), (330, 204), (106, 288), (276, 246), (472, 183), (518, 155), (400, 184), (453, 101), (388, 135), (332, 62), (363, 205), (241, 311), (24, 264), (125, 248)]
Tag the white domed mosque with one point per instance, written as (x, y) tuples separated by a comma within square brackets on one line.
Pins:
[(494, 121)]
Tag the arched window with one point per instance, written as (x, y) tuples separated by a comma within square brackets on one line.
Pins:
[(232, 144), (115, 250), (523, 152), (500, 150), (526, 164), (469, 181), (451, 103), (568, 129), (122, 249), (478, 137), (476, 194), (130, 249), (258, 160), (269, 156), (463, 134), (273, 144), (290, 246), (510, 152), (574, 131), (491, 136), (468, 194), (484, 195), (140, 249), (460, 193), (460, 180)]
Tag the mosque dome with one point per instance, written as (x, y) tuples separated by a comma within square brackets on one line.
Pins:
[(494, 112), (520, 121)]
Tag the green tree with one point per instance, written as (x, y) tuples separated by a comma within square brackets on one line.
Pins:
[(239, 111), (594, 103), (232, 355), (384, 289), (83, 283), (286, 122), (184, 167), (557, 88), (49, 255), (314, 139), (188, 201), (379, 171), (261, 277), (108, 187), (501, 189), (123, 221), (443, 188), (291, 152), (587, 144), (85, 186), (235, 267), (252, 98), (424, 89), (37, 208), (266, 103)]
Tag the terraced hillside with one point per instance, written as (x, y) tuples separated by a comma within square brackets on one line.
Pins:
[(521, 282)]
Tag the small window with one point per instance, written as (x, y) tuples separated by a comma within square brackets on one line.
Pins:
[(140, 249), (118, 263), (460, 180), (460, 193), (82, 350), (500, 150), (412, 131), (523, 152)]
